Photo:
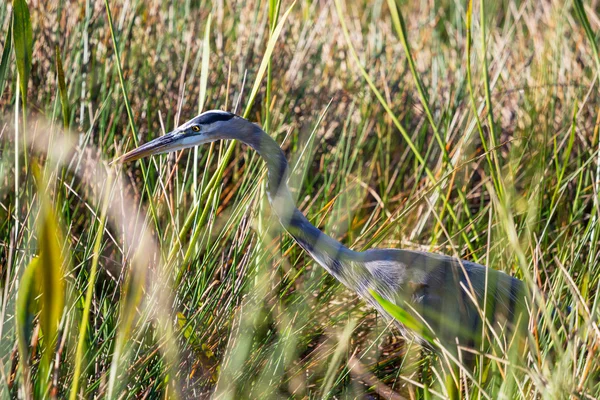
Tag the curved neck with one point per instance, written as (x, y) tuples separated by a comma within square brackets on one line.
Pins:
[(327, 251)]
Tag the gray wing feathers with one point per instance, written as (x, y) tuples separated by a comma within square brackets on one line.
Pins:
[(450, 294)]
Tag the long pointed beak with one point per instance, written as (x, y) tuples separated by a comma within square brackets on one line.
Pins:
[(163, 144)]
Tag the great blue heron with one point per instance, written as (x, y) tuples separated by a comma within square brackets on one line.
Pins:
[(449, 296)]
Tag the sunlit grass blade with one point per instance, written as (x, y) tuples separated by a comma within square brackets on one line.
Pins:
[(342, 346), (404, 317), (265, 61), (50, 274), (25, 312), (204, 72), (274, 6), (469, 45)]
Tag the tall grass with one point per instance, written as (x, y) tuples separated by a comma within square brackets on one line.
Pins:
[(438, 126)]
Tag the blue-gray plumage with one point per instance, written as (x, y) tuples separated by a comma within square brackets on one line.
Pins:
[(446, 293)]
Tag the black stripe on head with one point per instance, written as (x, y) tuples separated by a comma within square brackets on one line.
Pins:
[(211, 117)]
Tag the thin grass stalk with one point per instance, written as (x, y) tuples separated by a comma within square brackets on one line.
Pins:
[(488, 96), (90, 291), (231, 147), (15, 238), (130, 116), (64, 97), (202, 96), (395, 120), (469, 45), (343, 340), (17, 171), (400, 26), (581, 14), (273, 16)]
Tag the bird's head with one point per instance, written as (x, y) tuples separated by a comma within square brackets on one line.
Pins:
[(205, 128)]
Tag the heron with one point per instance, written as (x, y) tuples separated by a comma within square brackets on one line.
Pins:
[(454, 299)]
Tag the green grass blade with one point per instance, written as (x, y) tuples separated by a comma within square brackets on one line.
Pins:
[(400, 27), (404, 317), (204, 72), (396, 121), (343, 342), (132, 125), (488, 98), (5, 58), (229, 151), (582, 15), (26, 309), (378, 94), (469, 44), (274, 6), (62, 88), (265, 61), (83, 327), (49, 274), (23, 43)]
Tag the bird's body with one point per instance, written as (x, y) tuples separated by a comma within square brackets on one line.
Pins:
[(447, 294)]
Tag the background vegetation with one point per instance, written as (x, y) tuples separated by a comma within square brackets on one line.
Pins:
[(434, 125)]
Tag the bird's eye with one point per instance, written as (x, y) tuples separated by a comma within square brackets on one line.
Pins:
[(196, 128)]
